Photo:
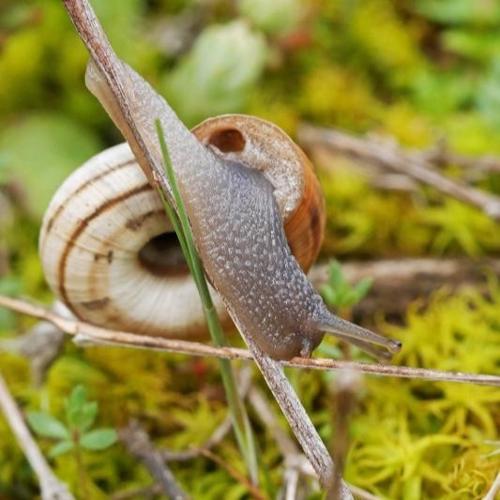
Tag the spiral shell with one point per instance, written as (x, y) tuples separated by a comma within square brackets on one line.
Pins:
[(108, 250), (261, 145)]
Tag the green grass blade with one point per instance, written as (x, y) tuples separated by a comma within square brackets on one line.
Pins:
[(180, 222)]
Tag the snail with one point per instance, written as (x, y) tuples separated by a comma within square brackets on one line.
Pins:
[(119, 264), (239, 179)]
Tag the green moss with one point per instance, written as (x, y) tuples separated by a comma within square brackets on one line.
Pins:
[(418, 72)]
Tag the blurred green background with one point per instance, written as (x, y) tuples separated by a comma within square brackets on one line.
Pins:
[(422, 73)]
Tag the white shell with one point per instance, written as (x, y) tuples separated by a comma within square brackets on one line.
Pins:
[(92, 232)]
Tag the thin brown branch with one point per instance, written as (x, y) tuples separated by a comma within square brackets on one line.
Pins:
[(145, 492), (41, 345), (50, 486), (98, 335), (441, 155), (139, 445), (398, 160), (254, 491), (398, 282), (295, 462), (346, 388), (262, 408)]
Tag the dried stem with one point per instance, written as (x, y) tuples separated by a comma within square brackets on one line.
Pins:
[(50, 486), (441, 155), (495, 488), (87, 333), (295, 462), (138, 444), (346, 388), (399, 282), (144, 492), (297, 417), (398, 160)]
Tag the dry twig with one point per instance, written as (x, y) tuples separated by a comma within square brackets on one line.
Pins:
[(144, 492), (50, 486), (97, 335), (398, 282), (346, 389), (138, 444), (495, 488), (442, 156), (41, 345), (295, 462), (398, 160)]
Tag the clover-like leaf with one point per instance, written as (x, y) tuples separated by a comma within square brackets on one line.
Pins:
[(99, 439), (61, 448), (80, 414), (47, 426), (83, 418), (336, 277), (329, 295), (77, 398), (362, 288)]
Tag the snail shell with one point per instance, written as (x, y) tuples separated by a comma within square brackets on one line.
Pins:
[(109, 252)]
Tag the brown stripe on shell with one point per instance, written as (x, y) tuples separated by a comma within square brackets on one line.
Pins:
[(136, 223), (95, 305), (83, 187), (81, 227)]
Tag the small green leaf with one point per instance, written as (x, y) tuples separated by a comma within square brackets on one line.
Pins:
[(99, 439), (348, 299), (77, 398), (329, 295), (47, 426), (83, 418), (61, 448), (362, 288), (336, 276)]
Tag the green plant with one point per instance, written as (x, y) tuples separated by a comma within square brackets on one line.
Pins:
[(76, 434), (180, 223), (338, 293)]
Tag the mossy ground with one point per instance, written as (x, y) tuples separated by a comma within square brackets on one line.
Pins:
[(416, 71)]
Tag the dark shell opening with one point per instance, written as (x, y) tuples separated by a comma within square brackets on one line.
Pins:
[(162, 256), (227, 140)]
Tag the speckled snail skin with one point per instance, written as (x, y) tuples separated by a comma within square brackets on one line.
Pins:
[(236, 218), (110, 254)]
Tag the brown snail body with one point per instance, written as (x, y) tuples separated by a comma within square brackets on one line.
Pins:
[(235, 217)]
